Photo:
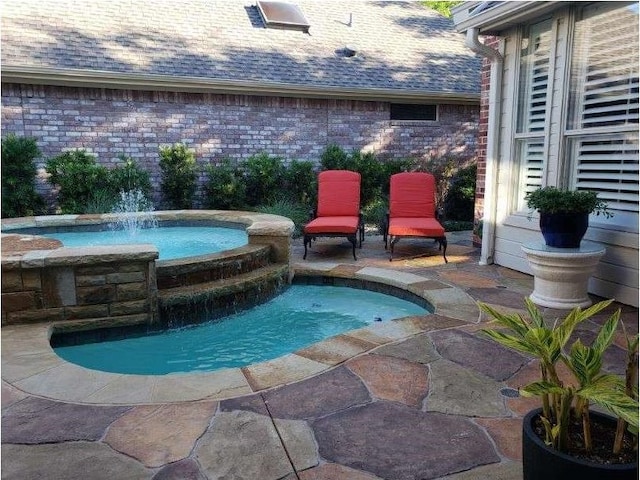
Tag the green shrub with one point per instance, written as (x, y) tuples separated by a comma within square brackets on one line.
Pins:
[(460, 200), (301, 182), (372, 176), (77, 176), (263, 177), (457, 225), (296, 212), (128, 176), (335, 158), (19, 197), (224, 188), (179, 175), (101, 201), (375, 213)]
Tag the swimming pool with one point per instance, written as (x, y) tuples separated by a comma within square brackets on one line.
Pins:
[(172, 241), (301, 316)]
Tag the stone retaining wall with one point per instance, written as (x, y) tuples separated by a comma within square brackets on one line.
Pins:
[(117, 284)]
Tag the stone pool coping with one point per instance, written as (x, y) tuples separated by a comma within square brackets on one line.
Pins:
[(258, 226), (30, 364)]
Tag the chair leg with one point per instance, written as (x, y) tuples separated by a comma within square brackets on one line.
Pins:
[(306, 240), (353, 239), (443, 243), (392, 241)]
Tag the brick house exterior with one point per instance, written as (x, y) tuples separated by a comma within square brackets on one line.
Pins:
[(116, 96), (481, 147)]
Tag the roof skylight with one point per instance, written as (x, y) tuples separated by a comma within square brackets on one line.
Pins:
[(282, 15)]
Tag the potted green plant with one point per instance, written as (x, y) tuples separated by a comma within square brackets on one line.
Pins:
[(564, 214), (564, 436)]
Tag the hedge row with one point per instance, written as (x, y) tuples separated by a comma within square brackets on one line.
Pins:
[(261, 182)]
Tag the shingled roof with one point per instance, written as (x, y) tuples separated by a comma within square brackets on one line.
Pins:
[(402, 48)]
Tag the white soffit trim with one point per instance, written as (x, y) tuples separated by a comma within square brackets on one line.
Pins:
[(121, 81), (501, 16)]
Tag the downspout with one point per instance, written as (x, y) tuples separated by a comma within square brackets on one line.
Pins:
[(493, 127)]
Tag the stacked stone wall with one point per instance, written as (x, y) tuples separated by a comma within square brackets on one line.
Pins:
[(69, 285)]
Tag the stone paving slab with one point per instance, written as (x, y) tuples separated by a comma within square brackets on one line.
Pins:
[(393, 379), (330, 392), (456, 390), (416, 349), (501, 471), (159, 434), (69, 461), (431, 444), (37, 420), (333, 471), (286, 369), (335, 350), (480, 354), (183, 470), (246, 445)]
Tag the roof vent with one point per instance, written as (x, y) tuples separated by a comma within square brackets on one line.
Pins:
[(282, 15), (348, 51)]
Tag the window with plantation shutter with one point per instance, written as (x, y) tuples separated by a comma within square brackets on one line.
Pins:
[(602, 125), (605, 68), (533, 97)]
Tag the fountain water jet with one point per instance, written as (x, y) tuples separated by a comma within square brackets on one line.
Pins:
[(133, 212)]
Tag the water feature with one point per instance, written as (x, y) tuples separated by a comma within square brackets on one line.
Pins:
[(134, 211), (302, 315)]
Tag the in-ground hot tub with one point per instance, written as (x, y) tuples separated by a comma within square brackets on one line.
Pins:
[(127, 284)]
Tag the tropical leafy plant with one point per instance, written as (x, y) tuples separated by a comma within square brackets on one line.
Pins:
[(589, 384)]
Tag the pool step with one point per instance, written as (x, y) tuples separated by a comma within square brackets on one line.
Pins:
[(223, 296)]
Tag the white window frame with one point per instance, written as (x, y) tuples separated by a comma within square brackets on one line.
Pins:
[(623, 219), (521, 135)]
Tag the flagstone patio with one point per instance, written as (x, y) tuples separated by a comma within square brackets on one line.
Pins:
[(437, 402)]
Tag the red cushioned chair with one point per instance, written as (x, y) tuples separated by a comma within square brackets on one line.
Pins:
[(412, 210), (338, 211)]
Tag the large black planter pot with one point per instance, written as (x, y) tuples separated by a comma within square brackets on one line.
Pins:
[(540, 462), (563, 230)]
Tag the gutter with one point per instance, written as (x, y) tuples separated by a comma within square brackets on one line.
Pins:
[(493, 130), (119, 81)]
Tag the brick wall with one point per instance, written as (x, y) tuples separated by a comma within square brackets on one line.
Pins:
[(110, 123), (481, 152)]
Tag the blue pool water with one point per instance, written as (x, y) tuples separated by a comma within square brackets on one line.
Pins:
[(302, 315), (171, 242)]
